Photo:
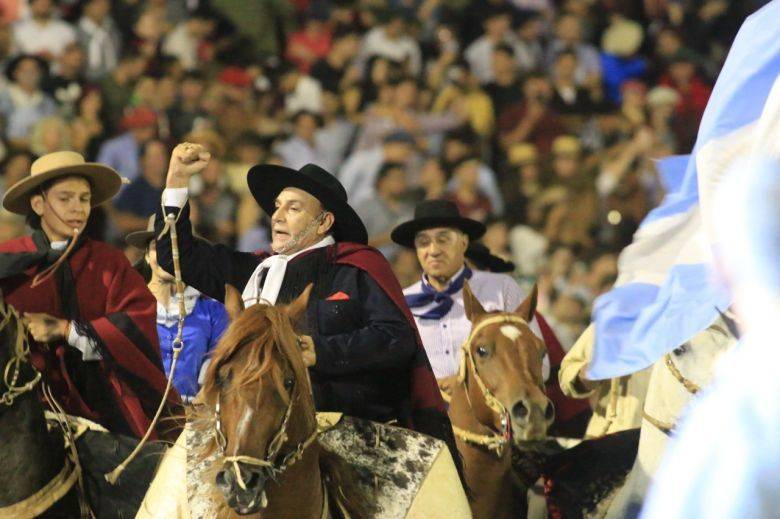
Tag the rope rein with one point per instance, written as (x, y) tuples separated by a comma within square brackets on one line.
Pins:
[(689, 385), (177, 346), (13, 367)]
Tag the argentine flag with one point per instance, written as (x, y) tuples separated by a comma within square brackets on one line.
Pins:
[(667, 289)]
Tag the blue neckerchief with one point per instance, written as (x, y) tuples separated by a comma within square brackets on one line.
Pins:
[(442, 299)]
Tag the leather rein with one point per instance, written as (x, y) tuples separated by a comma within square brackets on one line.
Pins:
[(273, 463)]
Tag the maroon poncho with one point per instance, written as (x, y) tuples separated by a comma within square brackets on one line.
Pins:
[(100, 290)]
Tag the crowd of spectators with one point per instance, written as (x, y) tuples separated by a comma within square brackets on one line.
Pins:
[(541, 118)]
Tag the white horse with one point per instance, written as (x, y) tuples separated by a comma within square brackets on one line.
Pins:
[(674, 381)]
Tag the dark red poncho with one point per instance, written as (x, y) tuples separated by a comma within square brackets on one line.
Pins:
[(101, 291)]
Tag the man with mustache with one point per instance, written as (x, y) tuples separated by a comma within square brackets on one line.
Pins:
[(364, 355)]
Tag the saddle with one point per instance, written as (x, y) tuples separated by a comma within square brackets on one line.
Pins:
[(405, 474)]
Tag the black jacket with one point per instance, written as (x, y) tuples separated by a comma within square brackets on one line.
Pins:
[(363, 342)]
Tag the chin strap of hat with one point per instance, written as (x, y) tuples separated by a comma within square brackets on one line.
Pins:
[(49, 271), (177, 346)]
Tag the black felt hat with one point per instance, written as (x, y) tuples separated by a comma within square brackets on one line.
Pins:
[(266, 181), (141, 239), (435, 213)]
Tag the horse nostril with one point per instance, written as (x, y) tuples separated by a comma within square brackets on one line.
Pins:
[(519, 411), (549, 411), (221, 479), (253, 479)]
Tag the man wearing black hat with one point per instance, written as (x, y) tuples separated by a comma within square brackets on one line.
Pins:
[(441, 237), (362, 347)]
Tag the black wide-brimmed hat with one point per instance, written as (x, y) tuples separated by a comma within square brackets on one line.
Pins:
[(483, 259), (266, 181), (141, 239), (435, 213)]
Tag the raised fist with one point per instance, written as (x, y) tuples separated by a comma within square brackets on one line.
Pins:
[(187, 159)]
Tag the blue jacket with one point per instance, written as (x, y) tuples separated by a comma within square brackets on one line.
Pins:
[(203, 327)]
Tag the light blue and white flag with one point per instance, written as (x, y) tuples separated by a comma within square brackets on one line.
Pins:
[(667, 290)]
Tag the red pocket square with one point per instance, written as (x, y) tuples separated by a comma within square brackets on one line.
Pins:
[(338, 296)]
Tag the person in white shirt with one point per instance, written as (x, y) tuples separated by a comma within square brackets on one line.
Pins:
[(392, 41), (100, 38), (441, 236), (42, 34), (300, 148), (479, 55), (183, 41), (358, 173)]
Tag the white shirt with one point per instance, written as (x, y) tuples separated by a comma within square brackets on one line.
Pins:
[(306, 96), (168, 315), (182, 45), (376, 43), (30, 37), (358, 174), (296, 153), (444, 337)]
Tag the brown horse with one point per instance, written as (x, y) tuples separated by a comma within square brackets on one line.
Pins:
[(258, 397), (499, 402)]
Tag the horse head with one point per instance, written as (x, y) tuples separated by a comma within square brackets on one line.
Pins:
[(502, 370), (258, 388)]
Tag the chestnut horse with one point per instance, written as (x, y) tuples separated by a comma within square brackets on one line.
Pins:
[(499, 403), (257, 397)]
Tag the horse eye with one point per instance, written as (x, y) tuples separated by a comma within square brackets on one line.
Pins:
[(289, 382), (681, 350), (482, 351)]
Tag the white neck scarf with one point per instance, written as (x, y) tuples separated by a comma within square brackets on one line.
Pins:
[(277, 266)]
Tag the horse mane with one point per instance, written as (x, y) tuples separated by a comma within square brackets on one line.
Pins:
[(268, 333), (261, 329)]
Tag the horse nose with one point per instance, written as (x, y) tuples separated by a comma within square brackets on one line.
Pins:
[(520, 410), (227, 481)]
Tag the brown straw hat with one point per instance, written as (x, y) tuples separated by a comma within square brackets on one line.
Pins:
[(105, 182)]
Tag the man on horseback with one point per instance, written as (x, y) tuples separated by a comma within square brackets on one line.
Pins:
[(362, 348), (441, 237), (90, 315)]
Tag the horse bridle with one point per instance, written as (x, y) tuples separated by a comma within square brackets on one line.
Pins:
[(70, 474), (272, 463), (493, 441), (689, 385), (13, 368)]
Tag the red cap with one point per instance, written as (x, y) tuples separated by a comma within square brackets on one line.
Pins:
[(139, 117), (235, 76)]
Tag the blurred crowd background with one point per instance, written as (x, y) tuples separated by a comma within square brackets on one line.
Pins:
[(541, 118)]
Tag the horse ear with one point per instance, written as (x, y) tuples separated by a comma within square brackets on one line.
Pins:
[(296, 310), (527, 308), (234, 304), (473, 307)]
